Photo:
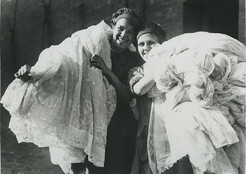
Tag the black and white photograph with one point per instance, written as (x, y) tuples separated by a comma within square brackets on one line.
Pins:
[(123, 86)]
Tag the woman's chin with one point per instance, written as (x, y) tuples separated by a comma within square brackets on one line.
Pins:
[(123, 44), (145, 57)]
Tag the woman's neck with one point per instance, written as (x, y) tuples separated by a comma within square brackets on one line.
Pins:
[(116, 49)]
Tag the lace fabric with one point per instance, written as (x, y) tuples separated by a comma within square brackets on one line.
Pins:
[(194, 119), (69, 104)]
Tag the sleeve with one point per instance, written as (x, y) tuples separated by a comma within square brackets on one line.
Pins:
[(134, 75)]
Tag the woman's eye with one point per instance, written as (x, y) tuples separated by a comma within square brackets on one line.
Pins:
[(140, 44), (151, 43)]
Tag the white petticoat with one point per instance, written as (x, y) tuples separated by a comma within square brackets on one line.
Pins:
[(69, 104)]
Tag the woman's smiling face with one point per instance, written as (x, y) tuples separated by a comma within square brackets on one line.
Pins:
[(123, 34), (145, 43)]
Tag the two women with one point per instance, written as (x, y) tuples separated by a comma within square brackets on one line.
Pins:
[(68, 104)]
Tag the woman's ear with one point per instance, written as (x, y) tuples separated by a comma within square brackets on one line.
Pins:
[(112, 25), (110, 37)]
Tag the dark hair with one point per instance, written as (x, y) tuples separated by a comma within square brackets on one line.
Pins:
[(129, 14), (155, 29)]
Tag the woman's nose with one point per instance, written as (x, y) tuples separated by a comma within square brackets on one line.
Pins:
[(146, 47)]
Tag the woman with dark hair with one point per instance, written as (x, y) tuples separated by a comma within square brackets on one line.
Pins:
[(145, 160), (122, 128), (66, 100), (150, 35)]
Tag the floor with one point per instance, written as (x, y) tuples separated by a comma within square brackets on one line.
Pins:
[(23, 158)]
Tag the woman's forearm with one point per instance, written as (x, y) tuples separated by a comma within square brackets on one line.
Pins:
[(122, 90), (143, 85)]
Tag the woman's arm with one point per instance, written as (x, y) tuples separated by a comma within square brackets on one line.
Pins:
[(144, 85), (122, 90)]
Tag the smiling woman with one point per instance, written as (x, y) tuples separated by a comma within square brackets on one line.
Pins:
[(148, 37), (146, 43), (122, 128), (123, 35)]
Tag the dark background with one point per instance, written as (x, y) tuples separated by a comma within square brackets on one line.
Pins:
[(29, 26)]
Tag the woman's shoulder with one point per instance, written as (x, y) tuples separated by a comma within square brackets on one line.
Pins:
[(136, 71)]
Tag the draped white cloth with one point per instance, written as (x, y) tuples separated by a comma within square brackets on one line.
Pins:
[(201, 111), (69, 104)]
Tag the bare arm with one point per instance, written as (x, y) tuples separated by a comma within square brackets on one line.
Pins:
[(121, 89), (143, 85)]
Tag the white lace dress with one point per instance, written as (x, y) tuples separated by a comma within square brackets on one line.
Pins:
[(186, 119), (68, 104)]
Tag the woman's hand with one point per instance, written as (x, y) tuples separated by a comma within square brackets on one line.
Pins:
[(23, 73), (99, 63), (121, 89)]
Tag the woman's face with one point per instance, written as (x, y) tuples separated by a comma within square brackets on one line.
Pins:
[(123, 34), (145, 43)]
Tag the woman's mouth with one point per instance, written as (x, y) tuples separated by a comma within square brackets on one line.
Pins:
[(122, 41), (145, 53)]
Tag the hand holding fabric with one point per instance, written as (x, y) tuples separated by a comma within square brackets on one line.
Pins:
[(24, 73), (99, 63)]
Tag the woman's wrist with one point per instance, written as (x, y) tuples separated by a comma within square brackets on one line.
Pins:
[(107, 72), (112, 78)]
